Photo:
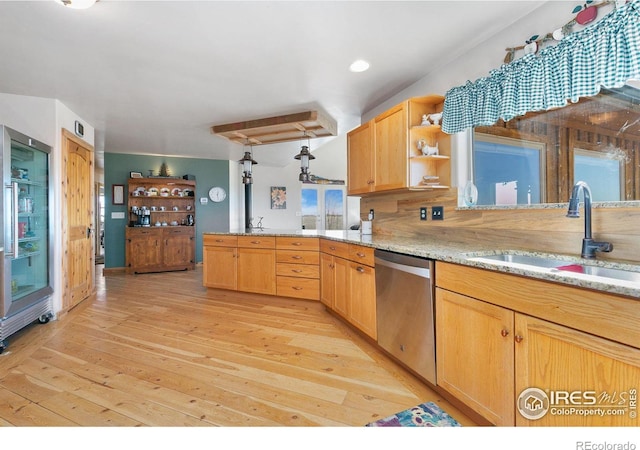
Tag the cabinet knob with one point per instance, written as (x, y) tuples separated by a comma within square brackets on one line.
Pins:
[(297, 244), (296, 257), (296, 288), (504, 333), (360, 269), (332, 248), (296, 270), (219, 240), (518, 338), (255, 242), (360, 255)]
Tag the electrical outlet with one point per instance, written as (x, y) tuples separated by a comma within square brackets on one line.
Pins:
[(371, 214), (423, 213), (437, 213)]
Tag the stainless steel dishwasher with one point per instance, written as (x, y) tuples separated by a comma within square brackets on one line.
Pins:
[(405, 310)]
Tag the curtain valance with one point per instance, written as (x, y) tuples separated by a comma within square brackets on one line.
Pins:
[(606, 54)]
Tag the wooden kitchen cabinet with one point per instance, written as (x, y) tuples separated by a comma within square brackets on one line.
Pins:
[(491, 348), (298, 267), (362, 298), (348, 283), (390, 149), (475, 354), (143, 249), (257, 264), (383, 154), (567, 360), (159, 249), (170, 245), (360, 159), (220, 268)]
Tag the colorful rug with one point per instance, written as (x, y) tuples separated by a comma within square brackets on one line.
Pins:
[(424, 415)]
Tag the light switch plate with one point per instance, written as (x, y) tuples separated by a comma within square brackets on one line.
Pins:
[(204, 200), (117, 215)]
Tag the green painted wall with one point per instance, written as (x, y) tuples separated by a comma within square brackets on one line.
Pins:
[(209, 217)]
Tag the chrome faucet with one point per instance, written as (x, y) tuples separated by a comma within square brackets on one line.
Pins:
[(589, 246)]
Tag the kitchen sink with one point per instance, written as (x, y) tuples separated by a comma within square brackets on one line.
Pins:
[(558, 266)]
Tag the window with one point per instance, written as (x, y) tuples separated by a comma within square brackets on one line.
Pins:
[(603, 173), (508, 171), (323, 207)]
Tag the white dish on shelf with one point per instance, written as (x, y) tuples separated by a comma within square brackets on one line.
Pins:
[(164, 192), (176, 192), (152, 192)]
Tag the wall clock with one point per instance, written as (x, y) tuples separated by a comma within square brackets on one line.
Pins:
[(217, 194)]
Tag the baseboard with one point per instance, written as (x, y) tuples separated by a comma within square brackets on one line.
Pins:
[(112, 270)]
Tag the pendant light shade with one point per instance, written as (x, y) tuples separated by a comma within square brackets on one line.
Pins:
[(247, 162)]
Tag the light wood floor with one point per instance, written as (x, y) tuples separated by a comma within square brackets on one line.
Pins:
[(161, 350)]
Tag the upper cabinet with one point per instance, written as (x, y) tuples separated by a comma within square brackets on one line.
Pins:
[(402, 148)]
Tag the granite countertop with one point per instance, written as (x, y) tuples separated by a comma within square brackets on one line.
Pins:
[(442, 250)]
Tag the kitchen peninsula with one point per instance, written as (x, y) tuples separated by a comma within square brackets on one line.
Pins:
[(511, 321)]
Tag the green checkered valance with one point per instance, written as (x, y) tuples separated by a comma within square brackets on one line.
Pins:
[(606, 54)]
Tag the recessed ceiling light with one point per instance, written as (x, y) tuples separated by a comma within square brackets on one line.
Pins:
[(359, 65)]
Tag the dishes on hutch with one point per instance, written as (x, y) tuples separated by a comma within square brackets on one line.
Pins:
[(176, 192), (164, 192), (152, 192)]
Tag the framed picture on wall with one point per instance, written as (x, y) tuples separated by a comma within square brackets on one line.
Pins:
[(278, 197), (135, 175), (118, 194)]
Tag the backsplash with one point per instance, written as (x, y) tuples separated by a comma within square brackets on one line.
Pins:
[(545, 229)]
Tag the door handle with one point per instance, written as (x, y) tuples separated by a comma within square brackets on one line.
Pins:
[(89, 231)]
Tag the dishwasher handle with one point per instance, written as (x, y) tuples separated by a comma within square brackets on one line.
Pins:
[(419, 271)]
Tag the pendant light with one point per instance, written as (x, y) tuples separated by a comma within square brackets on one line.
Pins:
[(304, 156), (247, 162)]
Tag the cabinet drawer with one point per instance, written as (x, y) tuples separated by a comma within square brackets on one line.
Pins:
[(142, 232), (297, 257), (335, 248), (220, 240), (307, 288), (361, 254), (178, 231), (257, 241), (297, 243), (298, 270)]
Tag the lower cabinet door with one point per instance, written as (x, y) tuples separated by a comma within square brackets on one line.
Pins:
[(219, 265), (362, 298), (578, 380), (475, 354), (257, 270)]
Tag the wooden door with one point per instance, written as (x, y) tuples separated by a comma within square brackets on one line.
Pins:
[(220, 270), (327, 280), (475, 354), (78, 262), (360, 159), (391, 151), (257, 270), (601, 376), (362, 298)]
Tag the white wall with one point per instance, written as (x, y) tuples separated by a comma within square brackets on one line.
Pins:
[(43, 119)]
